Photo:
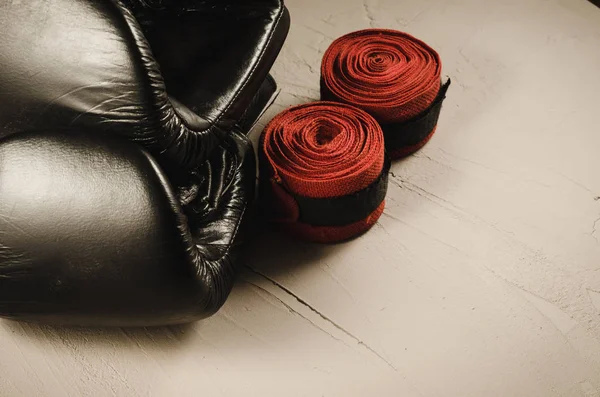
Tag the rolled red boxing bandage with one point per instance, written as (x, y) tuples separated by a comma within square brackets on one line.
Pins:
[(391, 75), (324, 173)]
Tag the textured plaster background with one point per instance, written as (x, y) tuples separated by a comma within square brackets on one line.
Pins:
[(481, 279)]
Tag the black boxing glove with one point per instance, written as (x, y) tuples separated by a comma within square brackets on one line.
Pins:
[(93, 233), (93, 229), (214, 53), (83, 64)]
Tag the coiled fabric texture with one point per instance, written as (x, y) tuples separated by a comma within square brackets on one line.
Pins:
[(391, 75), (324, 171)]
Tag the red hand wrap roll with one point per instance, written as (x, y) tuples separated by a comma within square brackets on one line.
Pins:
[(391, 75), (323, 171)]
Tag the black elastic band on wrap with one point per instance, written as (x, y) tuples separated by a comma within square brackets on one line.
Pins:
[(344, 210), (415, 130)]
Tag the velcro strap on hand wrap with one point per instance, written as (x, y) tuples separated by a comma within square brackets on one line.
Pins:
[(392, 76), (323, 171)]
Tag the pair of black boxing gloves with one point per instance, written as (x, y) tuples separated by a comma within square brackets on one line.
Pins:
[(125, 171)]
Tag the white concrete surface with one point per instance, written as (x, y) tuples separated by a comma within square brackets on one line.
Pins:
[(481, 279)]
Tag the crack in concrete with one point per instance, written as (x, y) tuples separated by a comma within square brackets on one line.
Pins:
[(302, 98), (595, 230), (310, 67), (324, 317), (404, 184), (394, 181), (595, 298), (565, 335), (327, 20), (393, 217), (369, 13), (294, 311), (320, 33), (448, 205)]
